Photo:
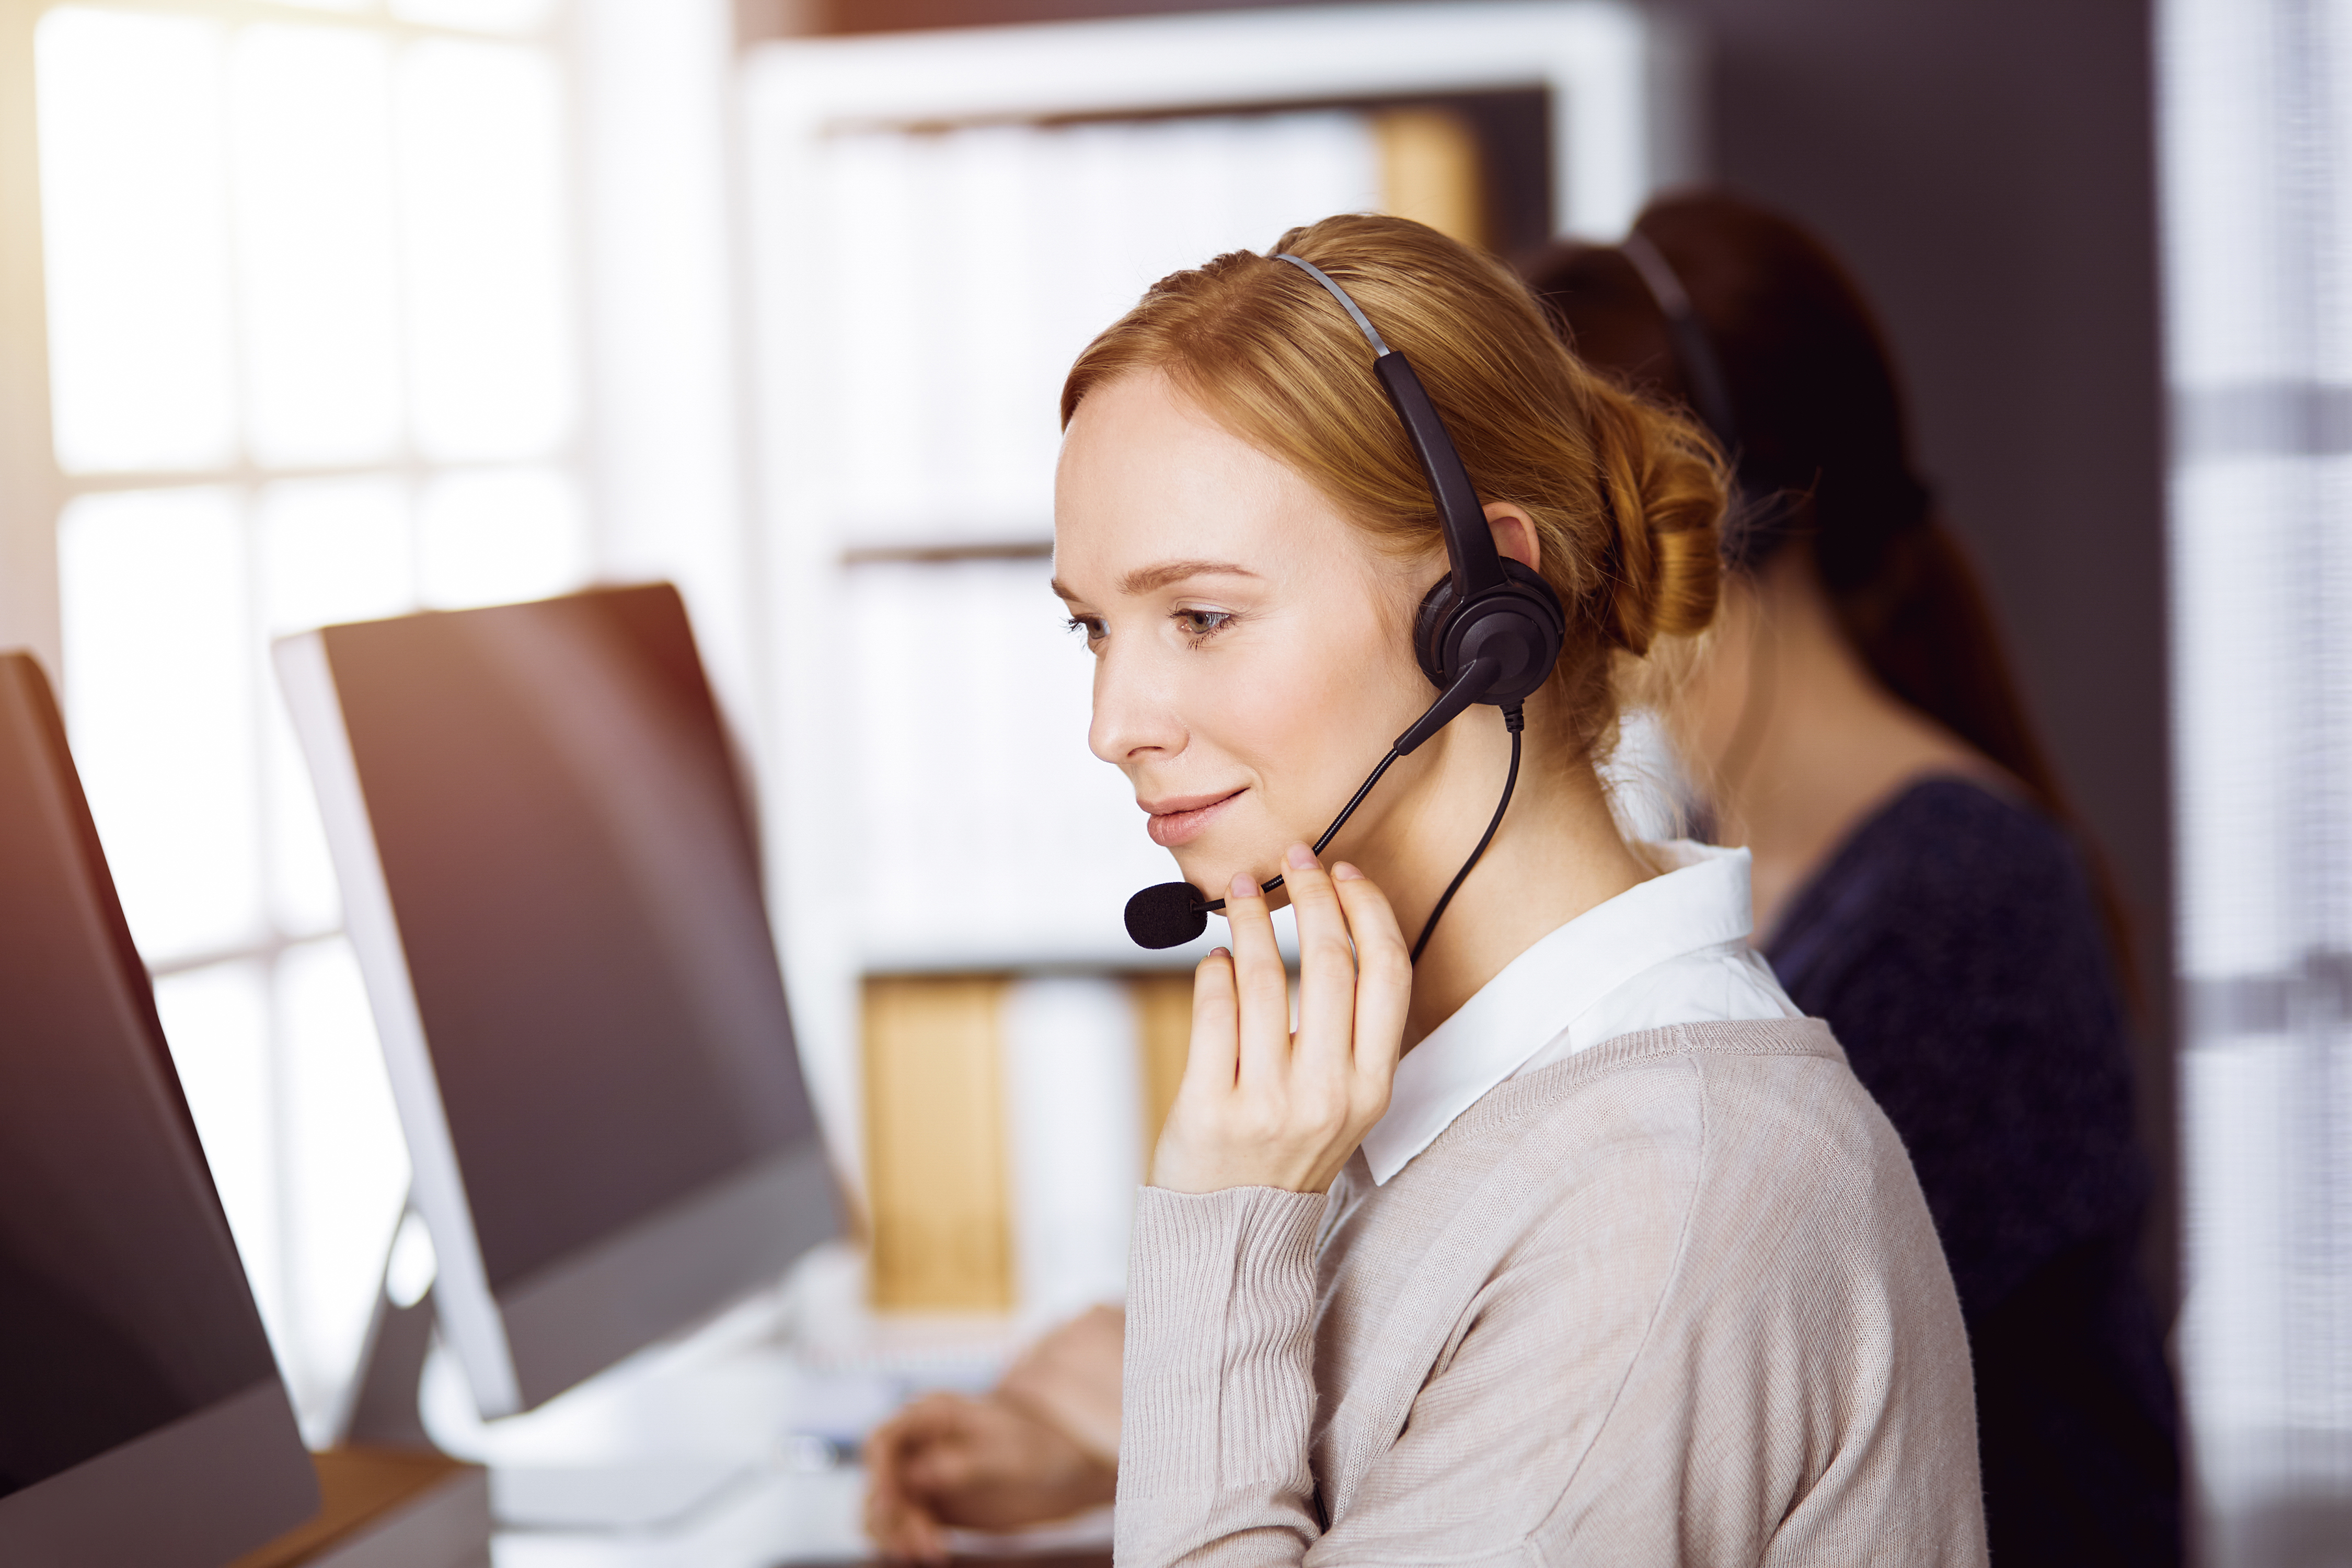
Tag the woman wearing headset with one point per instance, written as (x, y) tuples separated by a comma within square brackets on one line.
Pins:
[(1617, 1262), (1919, 884)]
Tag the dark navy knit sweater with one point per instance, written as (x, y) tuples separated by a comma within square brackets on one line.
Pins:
[(1954, 946)]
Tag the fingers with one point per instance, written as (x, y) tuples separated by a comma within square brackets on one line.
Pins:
[(1326, 966), (938, 1471), (1261, 982), (1215, 1054), (900, 1529), (881, 1456), (1383, 972), (899, 1524), (1259, 1106)]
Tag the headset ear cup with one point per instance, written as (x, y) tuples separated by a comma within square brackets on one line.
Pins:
[(1437, 625), (1543, 609), (1544, 604), (1528, 577), (1526, 614), (1430, 626)]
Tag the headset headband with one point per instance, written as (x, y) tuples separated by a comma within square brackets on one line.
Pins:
[(1710, 395), (1355, 312), (1470, 550)]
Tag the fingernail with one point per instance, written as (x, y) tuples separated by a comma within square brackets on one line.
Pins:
[(1219, 952), (1301, 858), (1243, 887), (1343, 872)]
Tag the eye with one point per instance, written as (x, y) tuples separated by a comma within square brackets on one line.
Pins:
[(1200, 625), (1090, 626)]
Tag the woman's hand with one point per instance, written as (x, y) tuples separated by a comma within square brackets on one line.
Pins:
[(1260, 1106), (950, 1460)]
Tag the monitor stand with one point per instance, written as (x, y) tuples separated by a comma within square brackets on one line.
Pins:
[(385, 1411)]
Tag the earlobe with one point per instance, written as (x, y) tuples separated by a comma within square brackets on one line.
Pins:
[(1514, 533)]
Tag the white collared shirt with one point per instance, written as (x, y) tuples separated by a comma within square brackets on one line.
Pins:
[(1673, 950)]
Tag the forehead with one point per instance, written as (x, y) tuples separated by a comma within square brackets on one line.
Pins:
[(1145, 476)]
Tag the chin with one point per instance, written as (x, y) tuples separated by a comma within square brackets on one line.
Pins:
[(1212, 869), (1198, 869), (1207, 869)]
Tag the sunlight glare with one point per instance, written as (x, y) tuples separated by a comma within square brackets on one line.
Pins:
[(477, 16), (216, 1020), (135, 235), (347, 1179), (482, 178), (500, 538), (312, 127), (160, 676)]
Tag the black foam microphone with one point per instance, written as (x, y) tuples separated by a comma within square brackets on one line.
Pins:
[(1169, 914)]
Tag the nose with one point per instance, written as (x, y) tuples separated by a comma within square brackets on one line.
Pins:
[(1133, 720)]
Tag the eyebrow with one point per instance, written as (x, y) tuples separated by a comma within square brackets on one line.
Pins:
[(1144, 579)]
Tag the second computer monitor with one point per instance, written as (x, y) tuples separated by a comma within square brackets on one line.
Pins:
[(550, 881)]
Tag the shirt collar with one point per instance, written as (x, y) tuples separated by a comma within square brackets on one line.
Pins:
[(1702, 902)]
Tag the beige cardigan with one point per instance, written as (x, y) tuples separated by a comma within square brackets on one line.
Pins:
[(1674, 1301)]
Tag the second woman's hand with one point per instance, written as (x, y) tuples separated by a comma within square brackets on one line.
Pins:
[(1261, 1106)]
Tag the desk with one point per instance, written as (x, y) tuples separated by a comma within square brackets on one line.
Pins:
[(777, 1517), (771, 1518), (739, 1400)]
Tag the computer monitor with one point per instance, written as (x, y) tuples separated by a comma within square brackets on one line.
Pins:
[(142, 1419), (550, 881)]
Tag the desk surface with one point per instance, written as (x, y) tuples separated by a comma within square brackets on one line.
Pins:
[(770, 1519), (732, 1401)]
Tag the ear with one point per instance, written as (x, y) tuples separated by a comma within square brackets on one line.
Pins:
[(1514, 533)]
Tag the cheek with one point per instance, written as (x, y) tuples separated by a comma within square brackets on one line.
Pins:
[(1302, 707), (1254, 709)]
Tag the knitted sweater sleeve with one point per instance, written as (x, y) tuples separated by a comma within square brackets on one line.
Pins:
[(1219, 1379)]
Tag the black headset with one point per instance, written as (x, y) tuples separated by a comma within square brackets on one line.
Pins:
[(1753, 527), (1710, 389), (1489, 631)]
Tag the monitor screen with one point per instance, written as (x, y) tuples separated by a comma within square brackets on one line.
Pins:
[(571, 868), (124, 1311)]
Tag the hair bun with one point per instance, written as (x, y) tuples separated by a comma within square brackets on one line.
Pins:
[(1665, 486)]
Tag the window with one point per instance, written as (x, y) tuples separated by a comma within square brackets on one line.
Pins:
[(2257, 265), (313, 357)]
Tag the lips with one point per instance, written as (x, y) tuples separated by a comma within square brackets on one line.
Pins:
[(1180, 820)]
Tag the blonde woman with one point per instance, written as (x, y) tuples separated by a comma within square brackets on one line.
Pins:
[(1568, 1239)]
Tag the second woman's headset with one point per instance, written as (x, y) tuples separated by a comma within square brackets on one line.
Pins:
[(1488, 632)]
